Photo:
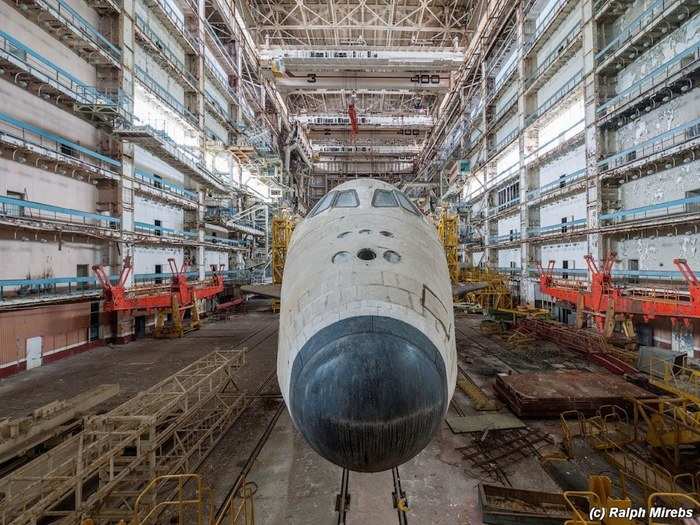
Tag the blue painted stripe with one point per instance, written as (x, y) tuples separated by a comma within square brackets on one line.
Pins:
[(643, 209), (43, 133), (61, 7), (19, 203)]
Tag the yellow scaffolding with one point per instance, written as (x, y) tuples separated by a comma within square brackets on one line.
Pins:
[(448, 231), (282, 228), (496, 295)]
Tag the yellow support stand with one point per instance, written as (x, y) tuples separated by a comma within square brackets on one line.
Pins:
[(448, 231), (282, 228)]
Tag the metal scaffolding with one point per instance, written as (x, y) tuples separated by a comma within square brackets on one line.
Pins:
[(98, 473)]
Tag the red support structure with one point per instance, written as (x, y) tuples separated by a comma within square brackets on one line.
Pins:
[(118, 299), (603, 296), (352, 113)]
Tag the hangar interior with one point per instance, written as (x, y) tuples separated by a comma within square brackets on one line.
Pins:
[(157, 158)]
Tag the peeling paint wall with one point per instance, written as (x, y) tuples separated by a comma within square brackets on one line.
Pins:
[(656, 252)]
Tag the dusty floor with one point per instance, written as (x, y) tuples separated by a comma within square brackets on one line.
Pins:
[(296, 486)]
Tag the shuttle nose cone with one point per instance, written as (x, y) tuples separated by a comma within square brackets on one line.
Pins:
[(368, 393)]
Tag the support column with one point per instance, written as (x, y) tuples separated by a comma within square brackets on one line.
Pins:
[(590, 94)]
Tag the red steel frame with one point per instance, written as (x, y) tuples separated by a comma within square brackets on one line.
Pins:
[(118, 299), (352, 113), (603, 295)]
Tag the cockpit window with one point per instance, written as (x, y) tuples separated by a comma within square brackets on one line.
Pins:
[(384, 199), (406, 204), (323, 204), (346, 199)]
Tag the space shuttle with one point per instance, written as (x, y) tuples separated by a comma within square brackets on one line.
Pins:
[(366, 358)]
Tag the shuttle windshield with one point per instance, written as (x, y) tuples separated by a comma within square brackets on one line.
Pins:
[(346, 199), (323, 204), (384, 199), (406, 203)]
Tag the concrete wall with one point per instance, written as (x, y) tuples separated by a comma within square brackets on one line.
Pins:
[(42, 42), (674, 113), (506, 257), (147, 257), (658, 252), (661, 187), (507, 224), (146, 210), (560, 78), (572, 252), (571, 206), (565, 164), (554, 41), (43, 257)]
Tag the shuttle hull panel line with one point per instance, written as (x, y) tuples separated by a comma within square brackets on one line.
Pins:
[(367, 356)]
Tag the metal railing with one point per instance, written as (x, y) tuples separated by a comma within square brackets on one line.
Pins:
[(674, 207), (175, 20), (501, 207), (217, 107), (55, 285), (55, 145), (152, 229), (505, 109), (70, 17), (563, 227), (635, 27), (554, 55), (508, 237), (23, 209), (156, 129), (42, 68), (553, 143), (505, 141), (559, 95), (673, 137), (560, 183), (221, 240), (164, 49), (159, 183), (150, 83), (551, 15), (582, 273), (651, 79)]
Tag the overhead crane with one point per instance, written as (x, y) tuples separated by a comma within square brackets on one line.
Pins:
[(176, 299), (607, 302)]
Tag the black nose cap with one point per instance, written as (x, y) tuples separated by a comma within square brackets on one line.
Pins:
[(368, 393)]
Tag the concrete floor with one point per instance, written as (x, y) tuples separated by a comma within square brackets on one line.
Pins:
[(296, 486)]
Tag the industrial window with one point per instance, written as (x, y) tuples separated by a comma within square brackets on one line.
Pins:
[(633, 266), (692, 207), (158, 270), (323, 204), (564, 228), (406, 204), (12, 209), (346, 199), (384, 199), (509, 194), (81, 270), (69, 150), (158, 229), (157, 181)]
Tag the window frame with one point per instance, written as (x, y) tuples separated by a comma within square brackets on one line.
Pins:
[(390, 192), (410, 207), (316, 210), (341, 192)]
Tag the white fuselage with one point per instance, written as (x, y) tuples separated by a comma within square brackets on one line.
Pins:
[(330, 276)]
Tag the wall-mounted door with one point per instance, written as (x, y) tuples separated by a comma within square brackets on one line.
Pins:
[(34, 345)]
